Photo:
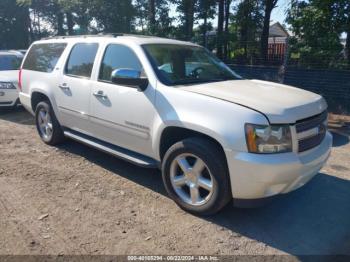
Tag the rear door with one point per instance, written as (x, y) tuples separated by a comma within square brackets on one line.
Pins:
[(73, 91)]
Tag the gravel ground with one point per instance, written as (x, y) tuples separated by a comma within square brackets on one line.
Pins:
[(75, 200)]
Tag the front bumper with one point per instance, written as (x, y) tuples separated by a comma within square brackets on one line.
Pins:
[(8, 97), (257, 176)]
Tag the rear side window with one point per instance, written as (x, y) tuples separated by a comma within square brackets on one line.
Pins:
[(44, 57), (117, 57), (81, 60)]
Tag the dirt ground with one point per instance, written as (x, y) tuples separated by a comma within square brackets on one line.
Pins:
[(75, 200)]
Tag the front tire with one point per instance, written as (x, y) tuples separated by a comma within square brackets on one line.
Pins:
[(195, 175), (47, 124)]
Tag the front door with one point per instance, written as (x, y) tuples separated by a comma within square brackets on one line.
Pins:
[(122, 115)]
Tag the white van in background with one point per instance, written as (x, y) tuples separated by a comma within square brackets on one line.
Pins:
[(10, 62)]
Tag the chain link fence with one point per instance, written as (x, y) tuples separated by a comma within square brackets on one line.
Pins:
[(330, 78)]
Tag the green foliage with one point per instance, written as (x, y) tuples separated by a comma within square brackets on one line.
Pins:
[(247, 24), (204, 12), (163, 26), (206, 9), (317, 30), (114, 16), (186, 10), (82, 11), (316, 24), (13, 25), (152, 17)]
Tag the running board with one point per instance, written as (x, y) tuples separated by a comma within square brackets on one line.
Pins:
[(114, 150)]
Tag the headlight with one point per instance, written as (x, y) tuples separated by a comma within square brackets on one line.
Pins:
[(268, 139), (7, 85)]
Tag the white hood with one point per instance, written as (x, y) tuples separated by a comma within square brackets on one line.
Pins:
[(9, 76), (280, 103)]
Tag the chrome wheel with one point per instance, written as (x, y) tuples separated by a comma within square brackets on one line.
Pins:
[(191, 179), (45, 123)]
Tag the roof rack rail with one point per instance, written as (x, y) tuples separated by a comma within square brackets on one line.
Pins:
[(13, 51), (96, 35)]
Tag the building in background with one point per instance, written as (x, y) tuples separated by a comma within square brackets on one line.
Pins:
[(278, 38)]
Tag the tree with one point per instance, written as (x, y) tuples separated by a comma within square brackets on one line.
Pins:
[(348, 36), (163, 20), (45, 17), (60, 21), (206, 11), (248, 20), (82, 12), (226, 27), (14, 25), (152, 16), (70, 23), (114, 16), (341, 13), (140, 7), (219, 41), (186, 9), (317, 29), (269, 6)]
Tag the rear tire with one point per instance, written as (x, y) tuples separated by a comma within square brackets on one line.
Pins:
[(50, 131), (196, 176)]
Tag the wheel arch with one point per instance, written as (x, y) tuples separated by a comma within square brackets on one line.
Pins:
[(39, 95), (173, 134)]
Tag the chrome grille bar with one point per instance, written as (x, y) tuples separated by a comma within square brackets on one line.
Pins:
[(311, 131)]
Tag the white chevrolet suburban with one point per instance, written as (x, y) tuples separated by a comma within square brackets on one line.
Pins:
[(170, 104)]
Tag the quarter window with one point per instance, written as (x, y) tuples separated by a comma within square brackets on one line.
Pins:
[(117, 57), (44, 57), (81, 60)]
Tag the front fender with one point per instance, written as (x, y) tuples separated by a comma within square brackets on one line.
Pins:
[(161, 126), (221, 120)]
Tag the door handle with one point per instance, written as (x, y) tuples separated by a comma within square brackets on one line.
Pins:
[(100, 94), (64, 87)]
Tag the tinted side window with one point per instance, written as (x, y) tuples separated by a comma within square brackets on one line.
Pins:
[(43, 57), (81, 60), (116, 57)]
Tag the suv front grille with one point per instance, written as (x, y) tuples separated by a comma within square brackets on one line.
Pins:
[(316, 127)]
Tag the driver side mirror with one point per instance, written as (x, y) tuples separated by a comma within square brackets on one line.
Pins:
[(129, 77)]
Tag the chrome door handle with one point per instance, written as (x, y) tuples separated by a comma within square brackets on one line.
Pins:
[(64, 87), (100, 94)]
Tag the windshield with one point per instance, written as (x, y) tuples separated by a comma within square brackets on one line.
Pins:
[(9, 62), (181, 64)]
